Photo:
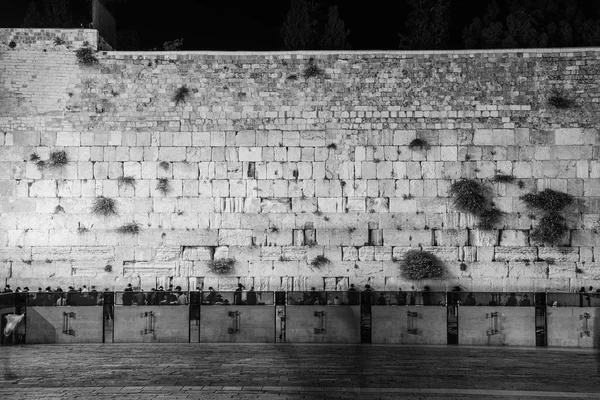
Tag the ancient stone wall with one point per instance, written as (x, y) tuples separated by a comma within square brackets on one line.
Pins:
[(273, 167)]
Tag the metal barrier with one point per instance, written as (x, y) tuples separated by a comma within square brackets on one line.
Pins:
[(492, 318)]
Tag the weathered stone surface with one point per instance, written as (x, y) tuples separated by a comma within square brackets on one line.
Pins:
[(197, 253), (515, 253), (512, 238), (451, 237)]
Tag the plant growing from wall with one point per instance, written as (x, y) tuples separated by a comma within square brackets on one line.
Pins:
[(33, 157), (312, 70), (58, 158), (503, 178), (108, 268), (104, 206), (130, 228), (221, 266), (12, 44), (552, 225), (81, 229), (419, 144), (164, 165), (181, 95), (557, 99), (163, 186), (126, 181), (420, 265), (85, 55), (58, 41), (468, 196), (319, 261)]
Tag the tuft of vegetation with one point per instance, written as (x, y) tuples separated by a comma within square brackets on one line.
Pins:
[(126, 180), (312, 70), (558, 100), (284, 258), (108, 268), (547, 200), (33, 157), (274, 229), (130, 228), (221, 266), (58, 41), (292, 77), (59, 209), (332, 146), (319, 261), (420, 265), (502, 178), (181, 95), (12, 44), (419, 144), (163, 186), (489, 218), (81, 229), (550, 228), (164, 165), (104, 206), (40, 164), (58, 158), (468, 196), (86, 55)]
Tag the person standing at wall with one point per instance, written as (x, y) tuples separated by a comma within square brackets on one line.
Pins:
[(237, 297), (251, 297), (353, 295)]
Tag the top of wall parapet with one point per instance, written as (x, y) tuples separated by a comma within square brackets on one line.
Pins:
[(38, 39)]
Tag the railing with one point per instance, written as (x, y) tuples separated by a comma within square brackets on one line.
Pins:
[(329, 298)]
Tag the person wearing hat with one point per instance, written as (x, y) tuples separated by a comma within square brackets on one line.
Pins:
[(367, 295), (525, 302), (160, 295), (237, 296)]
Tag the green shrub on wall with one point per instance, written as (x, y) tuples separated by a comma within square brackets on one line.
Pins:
[(420, 265), (221, 266), (104, 206), (551, 226), (468, 196)]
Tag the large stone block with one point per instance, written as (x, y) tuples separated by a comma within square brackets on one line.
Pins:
[(515, 253), (451, 237), (512, 238), (274, 205)]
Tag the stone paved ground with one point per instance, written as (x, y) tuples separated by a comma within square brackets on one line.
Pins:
[(223, 371)]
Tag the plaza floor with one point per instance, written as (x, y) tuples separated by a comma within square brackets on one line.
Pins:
[(276, 371)]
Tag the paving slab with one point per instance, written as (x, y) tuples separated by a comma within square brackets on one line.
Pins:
[(286, 372)]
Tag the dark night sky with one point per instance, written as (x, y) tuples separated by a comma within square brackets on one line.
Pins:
[(254, 24)]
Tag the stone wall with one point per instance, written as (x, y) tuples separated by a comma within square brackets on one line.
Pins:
[(274, 168)]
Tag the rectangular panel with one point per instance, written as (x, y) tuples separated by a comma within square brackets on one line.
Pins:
[(237, 324), (322, 324), (572, 326), (63, 324), (148, 324), (496, 326), (394, 325)]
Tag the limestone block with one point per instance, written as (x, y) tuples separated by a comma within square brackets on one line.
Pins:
[(204, 237), (485, 253), (275, 205), (294, 253), (469, 253), (404, 137), (221, 252), (589, 271), (506, 253), (398, 252), (312, 138), (394, 237), (246, 154), (235, 237), (451, 237), (559, 254), (260, 268), (43, 188), (564, 270), (349, 253), (519, 269), (583, 237), (514, 238), (171, 153), (400, 205), (149, 269), (576, 136), (586, 254), (378, 205), (270, 253), (41, 270), (15, 253), (383, 253), (366, 253), (443, 253), (488, 269)]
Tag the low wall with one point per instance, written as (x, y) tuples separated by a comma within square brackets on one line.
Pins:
[(46, 324), (339, 324), (168, 324), (391, 324), (515, 326)]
